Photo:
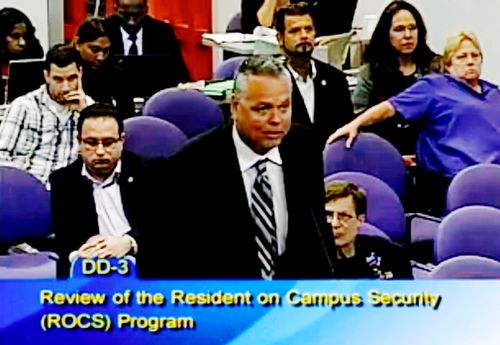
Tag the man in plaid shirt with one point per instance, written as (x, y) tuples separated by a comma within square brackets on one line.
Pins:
[(38, 133)]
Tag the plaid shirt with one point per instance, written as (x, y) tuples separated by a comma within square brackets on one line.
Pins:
[(38, 134)]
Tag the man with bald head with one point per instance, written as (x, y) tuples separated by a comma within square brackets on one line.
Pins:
[(248, 196)]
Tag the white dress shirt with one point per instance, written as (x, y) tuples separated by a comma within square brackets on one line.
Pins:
[(247, 159), (127, 43), (306, 88), (109, 208), (108, 204)]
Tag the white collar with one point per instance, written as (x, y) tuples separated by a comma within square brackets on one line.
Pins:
[(248, 158), (111, 178), (127, 35), (297, 76)]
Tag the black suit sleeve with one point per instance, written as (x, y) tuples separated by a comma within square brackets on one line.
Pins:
[(159, 38), (344, 101), (161, 240), (175, 51), (62, 225)]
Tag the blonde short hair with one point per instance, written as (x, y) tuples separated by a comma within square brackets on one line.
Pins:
[(453, 43)]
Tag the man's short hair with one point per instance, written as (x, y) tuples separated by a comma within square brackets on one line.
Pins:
[(62, 55), (342, 189), (297, 9), (100, 110), (261, 65)]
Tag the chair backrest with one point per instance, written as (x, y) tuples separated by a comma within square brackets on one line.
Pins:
[(28, 266), (475, 185), (384, 209), (24, 206), (234, 24), (369, 154), (470, 230), (371, 230), (150, 137), (227, 69), (467, 266), (191, 111)]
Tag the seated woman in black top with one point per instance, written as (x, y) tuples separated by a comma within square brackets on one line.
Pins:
[(102, 80), (359, 256), (396, 56), (17, 41)]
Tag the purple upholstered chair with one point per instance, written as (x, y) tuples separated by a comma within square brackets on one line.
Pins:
[(191, 111), (370, 154), (470, 230), (475, 185), (150, 137), (384, 209), (24, 206), (234, 24), (24, 214), (228, 68), (371, 230), (467, 266)]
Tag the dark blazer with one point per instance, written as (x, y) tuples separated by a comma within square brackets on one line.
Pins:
[(333, 106), (211, 233), (73, 208), (363, 265), (158, 38)]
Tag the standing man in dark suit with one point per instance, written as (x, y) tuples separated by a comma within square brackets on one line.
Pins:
[(247, 198), (95, 200), (321, 97), (133, 32)]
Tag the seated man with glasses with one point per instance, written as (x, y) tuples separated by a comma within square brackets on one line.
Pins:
[(356, 255), (95, 200)]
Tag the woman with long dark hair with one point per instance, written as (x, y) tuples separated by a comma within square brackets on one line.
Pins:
[(17, 41), (396, 57), (102, 79)]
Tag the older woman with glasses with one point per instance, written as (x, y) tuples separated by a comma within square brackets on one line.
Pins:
[(356, 255), (460, 116)]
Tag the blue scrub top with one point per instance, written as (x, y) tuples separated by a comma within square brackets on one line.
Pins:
[(461, 126)]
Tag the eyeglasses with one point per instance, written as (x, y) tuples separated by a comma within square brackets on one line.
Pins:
[(342, 217), (93, 144)]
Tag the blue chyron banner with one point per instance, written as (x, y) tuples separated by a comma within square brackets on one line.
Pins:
[(131, 311)]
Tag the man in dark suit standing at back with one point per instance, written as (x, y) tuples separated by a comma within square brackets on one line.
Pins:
[(95, 200), (321, 97), (133, 32), (247, 197)]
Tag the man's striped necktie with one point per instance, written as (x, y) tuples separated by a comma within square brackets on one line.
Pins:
[(263, 213)]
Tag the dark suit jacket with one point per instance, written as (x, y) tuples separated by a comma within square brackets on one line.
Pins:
[(211, 233), (333, 106), (73, 208), (158, 38)]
